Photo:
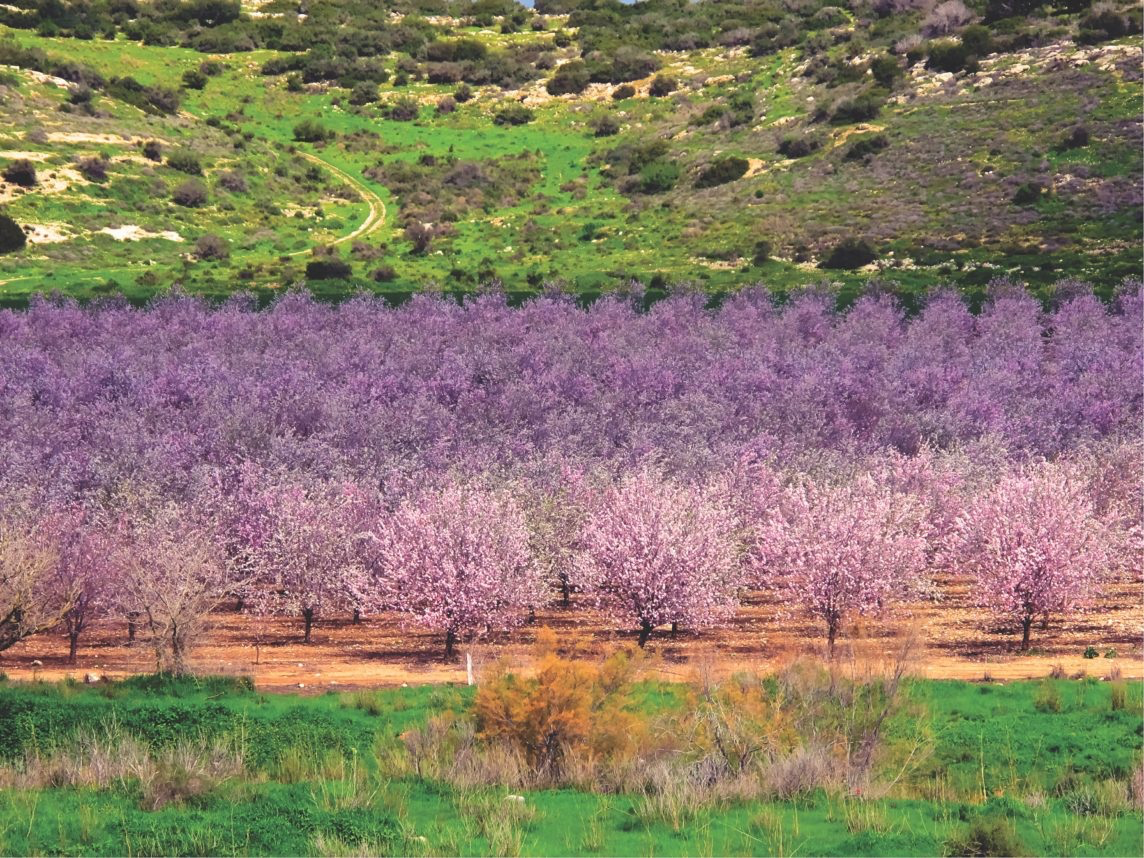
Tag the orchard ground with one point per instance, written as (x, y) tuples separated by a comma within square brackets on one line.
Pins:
[(957, 641)]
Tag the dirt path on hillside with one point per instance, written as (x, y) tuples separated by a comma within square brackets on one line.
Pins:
[(377, 213), (954, 640)]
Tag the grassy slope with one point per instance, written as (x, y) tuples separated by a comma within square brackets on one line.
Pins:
[(993, 747), (938, 198)]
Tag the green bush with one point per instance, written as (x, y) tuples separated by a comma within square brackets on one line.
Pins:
[(849, 255), (949, 56), (191, 194), (763, 251), (194, 79), (865, 146), (21, 172), (860, 108), (12, 237), (570, 78), (987, 836), (662, 85), (1028, 193), (311, 131), (185, 161), (721, 171), (625, 90), (1091, 652), (1048, 697), (328, 268), (658, 177), (798, 146), (513, 114)]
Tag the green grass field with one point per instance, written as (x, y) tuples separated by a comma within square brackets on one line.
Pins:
[(1033, 768)]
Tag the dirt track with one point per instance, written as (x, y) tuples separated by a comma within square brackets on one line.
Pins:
[(955, 641)]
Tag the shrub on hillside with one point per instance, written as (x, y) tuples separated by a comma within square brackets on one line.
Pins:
[(849, 255), (513, 114), (866, 146), (191, 193), (1028, 193), (662, 85), (463, 93), (232, 181), (658, 177), (446, 105), (328, 268), (194, 79), (1103, 23), (988, 835), (860, 108), (978, 40), (946, 18), (606, 126), (363, 92), (625, 90), (21, 172), (93, 168), (211, 247), (153, 150), (12, 237), (570, 78), (886, 69), (403, 109), (798, 146), (185, 161), (1076, 138), (383, 274), (311, 131), (721, 171), (762, 252), (950, 56)]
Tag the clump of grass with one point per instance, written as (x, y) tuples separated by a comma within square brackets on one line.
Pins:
[(1047, 698), (986, 836)]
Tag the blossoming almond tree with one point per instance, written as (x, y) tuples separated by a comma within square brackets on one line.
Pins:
[(838, 550), (303, 553), (655, 552), (1034, 546), (457, 561)]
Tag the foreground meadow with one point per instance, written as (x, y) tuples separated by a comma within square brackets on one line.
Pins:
[(596, 760)]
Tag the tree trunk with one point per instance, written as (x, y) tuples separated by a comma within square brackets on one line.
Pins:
[(450, 640), (131, 616), (357, 617), (565, 591), (1026, 625), (308, 617), (831, 634), (674, 629), (240, 603), (73, 646), (645, 632)]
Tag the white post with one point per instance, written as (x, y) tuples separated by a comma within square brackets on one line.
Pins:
[(469, 667)]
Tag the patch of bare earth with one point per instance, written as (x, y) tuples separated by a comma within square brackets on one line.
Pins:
[(955, 641)]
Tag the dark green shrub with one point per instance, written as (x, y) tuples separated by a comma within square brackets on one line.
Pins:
[(987, 836), (191, 193), (12, 237), (977, 39), (623, 91), (21, 172), (949, 56), (798, 146), (328, 268), (860, 108), (194, 79), (185, 161), (570, 78), (153, 150), (311, 131), (886, 70), (463, 93), (721, 171), (1028, 193), (294, 82), (403, 109), (363, 92), (1091, 652), (865, 146), (849, 255), (658, 177), (513, 114), (662, 85), (1076, 138), (93, 168), (384, 274), (606, 126), (762, 253), (212, 247), (1101, 25)]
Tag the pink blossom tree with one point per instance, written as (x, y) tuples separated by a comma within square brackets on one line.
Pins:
[(838, 550), (29, 603), (302, 549), (83, 568), (457, 560), (1034, 546), (656, 552)]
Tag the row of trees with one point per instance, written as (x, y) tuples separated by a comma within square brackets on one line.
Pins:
[(466, 559)]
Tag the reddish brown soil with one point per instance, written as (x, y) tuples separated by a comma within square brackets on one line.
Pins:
[(955, 640)]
